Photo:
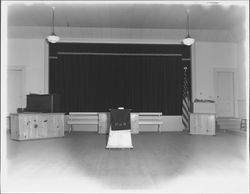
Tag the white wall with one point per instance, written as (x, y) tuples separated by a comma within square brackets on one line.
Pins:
[(212, 55), (30, 54), (121, 34), (208, 56), (242, 79)]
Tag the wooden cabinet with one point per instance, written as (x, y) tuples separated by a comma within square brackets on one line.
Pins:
[(202, 123), (36, 125)]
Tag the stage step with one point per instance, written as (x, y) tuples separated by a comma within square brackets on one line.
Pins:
[(232, 124)]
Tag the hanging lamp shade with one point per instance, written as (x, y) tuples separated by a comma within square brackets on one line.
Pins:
[(188, 40), (53, 38)]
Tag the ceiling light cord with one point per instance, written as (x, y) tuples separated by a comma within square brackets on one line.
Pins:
[(188, 40), (187, 30), (53, 38), (53, 20)]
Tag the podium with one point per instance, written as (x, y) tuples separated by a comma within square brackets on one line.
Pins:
[(120, 129)]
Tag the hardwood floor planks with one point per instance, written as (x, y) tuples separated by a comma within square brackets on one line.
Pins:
[(161, 162)]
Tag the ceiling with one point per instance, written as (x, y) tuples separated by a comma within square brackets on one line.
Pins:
[(128, 15)]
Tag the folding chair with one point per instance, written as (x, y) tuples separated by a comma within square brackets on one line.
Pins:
[(120, 129)]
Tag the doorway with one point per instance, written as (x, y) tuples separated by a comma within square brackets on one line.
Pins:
[(15, 89), (225, 93)]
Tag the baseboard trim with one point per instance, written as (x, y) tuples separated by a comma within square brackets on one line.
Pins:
[(233, 132)]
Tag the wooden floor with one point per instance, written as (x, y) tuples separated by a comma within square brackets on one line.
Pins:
[(170, 162)]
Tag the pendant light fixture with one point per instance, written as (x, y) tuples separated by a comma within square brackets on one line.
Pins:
[(188, 40), (53, 38)]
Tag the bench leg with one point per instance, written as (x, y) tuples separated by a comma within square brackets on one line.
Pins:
[(70, 128), (159, 129)]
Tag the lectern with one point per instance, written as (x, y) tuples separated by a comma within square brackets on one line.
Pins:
[(120, 129)]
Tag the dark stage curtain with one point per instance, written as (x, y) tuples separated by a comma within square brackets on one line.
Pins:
[(97, 83)]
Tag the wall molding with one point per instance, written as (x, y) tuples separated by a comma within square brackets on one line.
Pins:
[(120, 34)]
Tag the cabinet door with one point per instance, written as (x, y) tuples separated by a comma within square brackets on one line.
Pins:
[(211, 124), (28, 126), (203, 124), (14, 126), (194, 124), (42, 126), (55, 125)]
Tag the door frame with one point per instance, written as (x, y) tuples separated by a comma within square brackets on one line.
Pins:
[(235, 78), (23, 73)]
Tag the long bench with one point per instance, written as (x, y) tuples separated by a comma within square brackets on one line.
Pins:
[(82, 118), (152, 118)]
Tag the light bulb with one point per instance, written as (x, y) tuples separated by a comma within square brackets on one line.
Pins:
[(188, 41), (53, 38)]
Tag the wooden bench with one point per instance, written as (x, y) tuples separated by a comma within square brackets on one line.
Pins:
[(152, 118), (82, 118)]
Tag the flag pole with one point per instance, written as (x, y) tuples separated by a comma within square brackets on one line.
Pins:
[(185, 102)]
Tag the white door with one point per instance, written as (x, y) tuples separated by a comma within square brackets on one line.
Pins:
[(14, 88), (224, 91)]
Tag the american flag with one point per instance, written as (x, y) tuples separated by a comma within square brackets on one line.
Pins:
[(185, 101)]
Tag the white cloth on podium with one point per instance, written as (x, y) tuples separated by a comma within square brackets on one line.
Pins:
[(119, 139)]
